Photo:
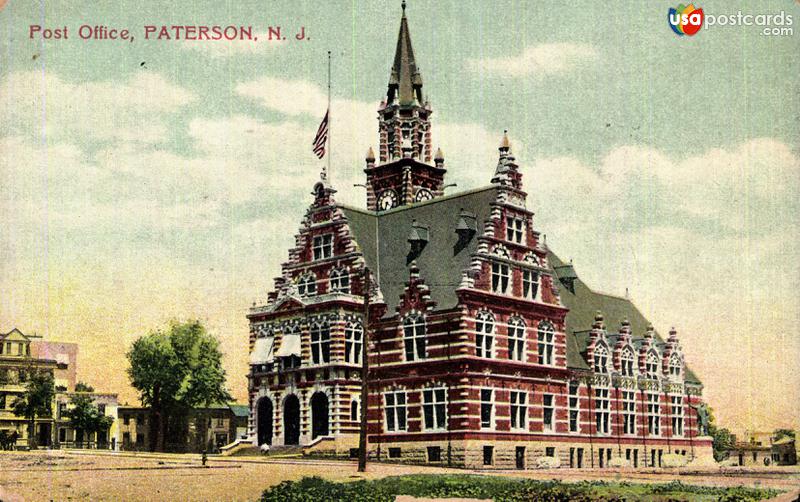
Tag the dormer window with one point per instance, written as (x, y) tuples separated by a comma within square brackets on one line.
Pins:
[(514, 229), (651, 365), (626, 362), (675, 367), (323, 246), (601, 359)]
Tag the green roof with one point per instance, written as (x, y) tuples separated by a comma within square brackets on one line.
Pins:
[(240, 410), (383, 239)]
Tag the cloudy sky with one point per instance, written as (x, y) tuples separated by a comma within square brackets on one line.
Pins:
[(152, 180)]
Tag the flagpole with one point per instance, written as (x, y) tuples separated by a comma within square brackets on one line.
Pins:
[(329, 117)]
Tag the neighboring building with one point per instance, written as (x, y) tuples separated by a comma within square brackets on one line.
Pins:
[(784, 451), (16, 364), (761, 448), (63, 353), (222, 424), (69, 437), (486, 349)]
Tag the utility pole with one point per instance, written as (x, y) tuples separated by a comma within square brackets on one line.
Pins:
[(362, 433)]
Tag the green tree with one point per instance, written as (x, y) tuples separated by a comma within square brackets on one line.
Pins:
[(36, 401), (782, 433), (83, 387), (722, 438), (175, 371), (85, 416)]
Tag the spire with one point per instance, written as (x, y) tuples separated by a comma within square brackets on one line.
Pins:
[(405, 83)]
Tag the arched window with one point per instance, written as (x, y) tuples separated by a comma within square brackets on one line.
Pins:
[(516, 339), (484, 334), (601, 359), (414, 337), (320, 343), (651, 365), (545, 336), (340, 281), (353, 336), (675, 366), (626, 361), (307, 285), (354, 411)]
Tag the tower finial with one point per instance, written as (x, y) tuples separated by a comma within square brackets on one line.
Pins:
[(403, 5)]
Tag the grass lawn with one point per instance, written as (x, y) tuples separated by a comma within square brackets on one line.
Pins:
[(501, 489)]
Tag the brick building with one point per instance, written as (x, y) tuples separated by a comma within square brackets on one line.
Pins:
[(485, 348)]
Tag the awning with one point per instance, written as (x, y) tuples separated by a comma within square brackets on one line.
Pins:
[(290, 346), (262, 351)]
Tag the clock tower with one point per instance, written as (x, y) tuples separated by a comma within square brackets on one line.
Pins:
[(404, 173)]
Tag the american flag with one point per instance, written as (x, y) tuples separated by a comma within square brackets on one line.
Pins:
[(322, 137)]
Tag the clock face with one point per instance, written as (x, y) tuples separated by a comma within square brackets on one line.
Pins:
[(387, 200), (423, 194)]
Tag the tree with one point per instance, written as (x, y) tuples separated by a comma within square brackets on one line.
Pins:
[(722, 439), (782, 433), (175, 371), (36, 401), (83, 387), (85, 416)]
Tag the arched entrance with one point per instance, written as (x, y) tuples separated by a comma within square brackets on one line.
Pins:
[(291, 420), (319, 415), (264, 416)]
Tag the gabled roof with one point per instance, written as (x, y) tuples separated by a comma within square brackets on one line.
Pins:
[(441, 261), (584, 303), (383, 239)]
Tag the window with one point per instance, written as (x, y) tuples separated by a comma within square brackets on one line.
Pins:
[(530, 284), (626, 360), (395, 412), (484, 334), (488, 455), (653, 415), (307, 285), (126, 419), (434, 453), (323, 246), (395, 453), (601, 359), (434, 408), (414, 336), (500, 278), (519, 409), (340, 281), (320, 342), (651, 365), (548, 411), (675, 366), (602, 411), (101, 408), (354, 417), (628, 412), (487, 408), (550, 451), (676, 413), (545, 336), (516, 339), (353, 336), (514, 228), (574, 407)]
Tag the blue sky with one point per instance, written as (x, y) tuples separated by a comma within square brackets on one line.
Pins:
[(158, 179)]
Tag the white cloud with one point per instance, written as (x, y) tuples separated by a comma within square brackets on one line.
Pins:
[(50, 107), (227, 48), (538, 60)]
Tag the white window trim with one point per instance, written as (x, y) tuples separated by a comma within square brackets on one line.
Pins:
[(524, 427), (432, 390)]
